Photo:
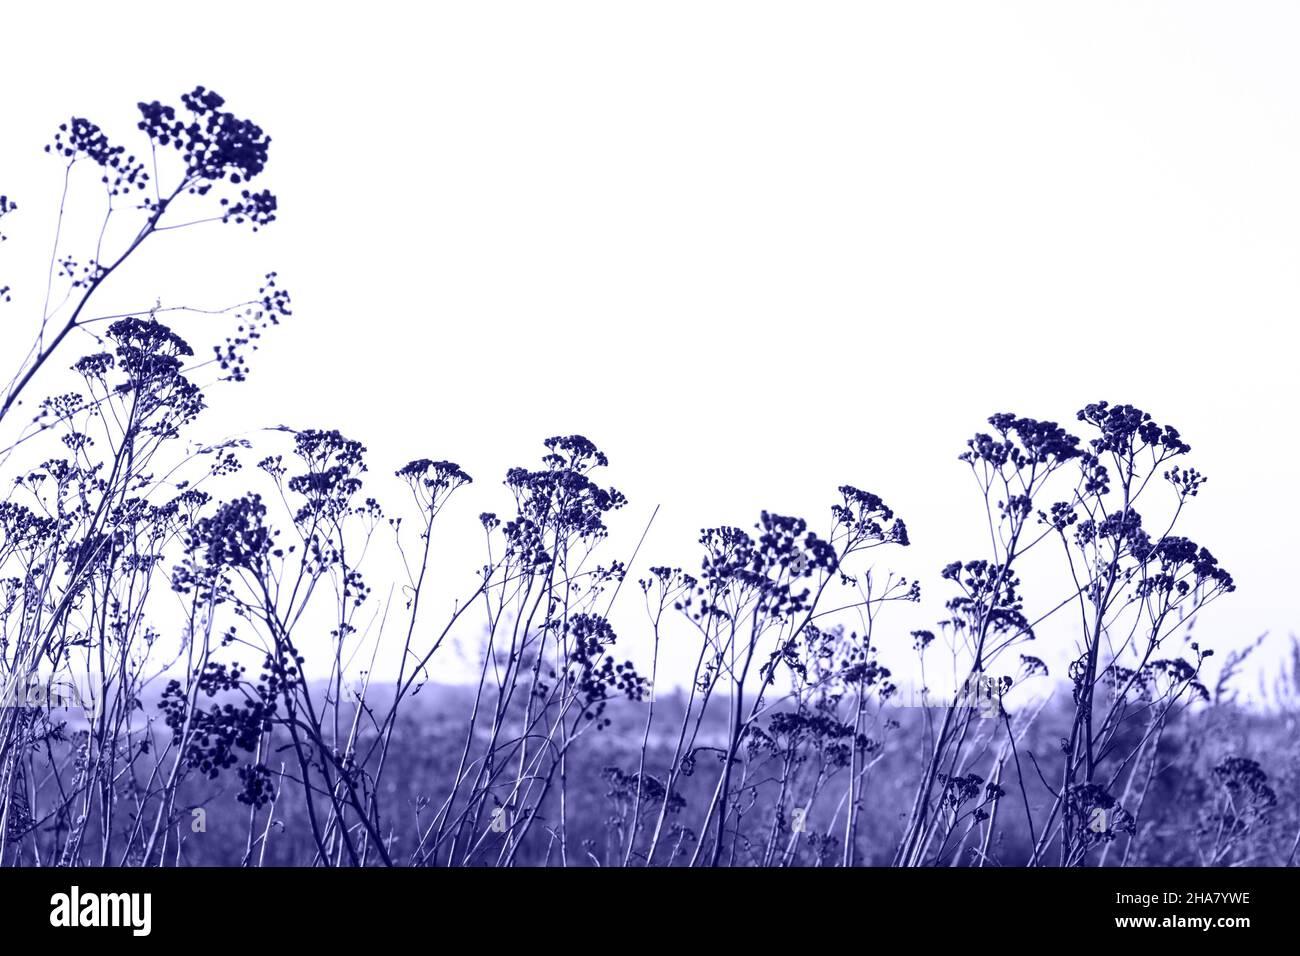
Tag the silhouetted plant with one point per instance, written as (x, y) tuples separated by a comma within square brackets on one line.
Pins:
[(157, 574)]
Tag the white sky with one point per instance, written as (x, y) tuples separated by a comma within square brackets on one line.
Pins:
[(753, 250)]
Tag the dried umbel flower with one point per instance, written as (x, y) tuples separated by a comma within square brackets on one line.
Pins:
[(432, 482), (1245, 779), (1021, 443), (236, 536), (1098, 818), (214, 144), (151, 357), (1126, 430), (867, 520), (80, 138), (333, 477)]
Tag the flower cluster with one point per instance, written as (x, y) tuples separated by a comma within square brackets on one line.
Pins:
[(256, 319), (958, 790), (1126, 430), (1176, 567), (990, 599), (867, 520), (214, 144), (592, 675), (333, 476), (79, 138), (432, 482), (235, 536), (1247, 783), (1098, 818), (257, 208), (151, 356), (791, 733), (561, 497), (1021, 442), (210, 738)]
